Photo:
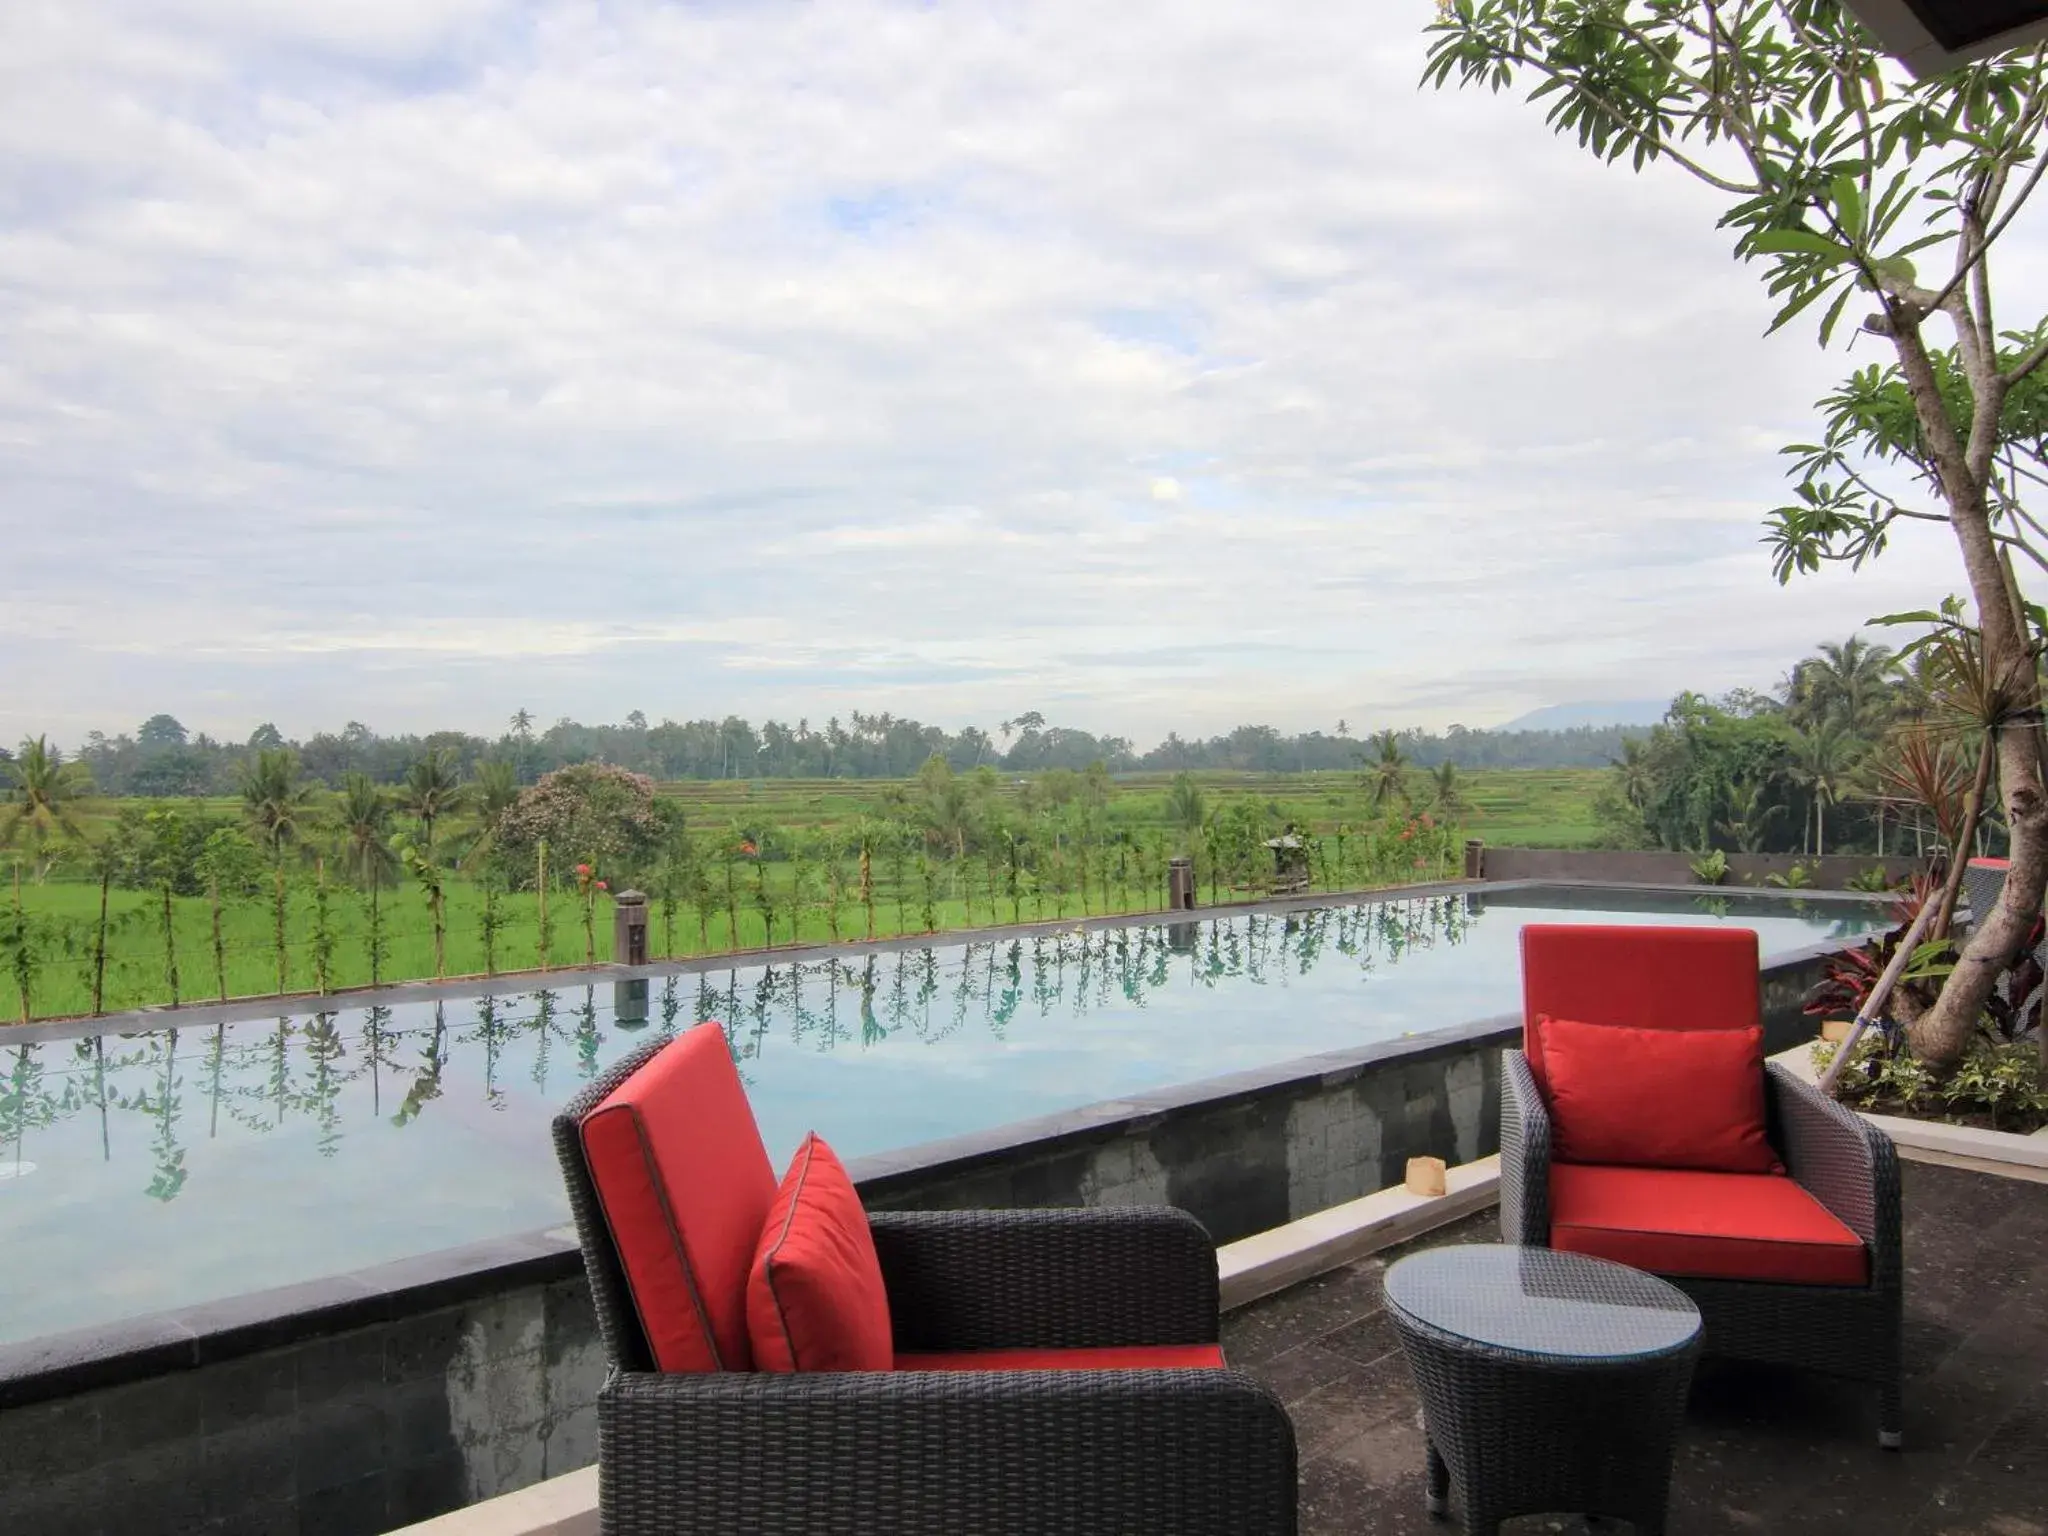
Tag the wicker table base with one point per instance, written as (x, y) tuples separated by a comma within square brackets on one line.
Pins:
[(1550, 1383)]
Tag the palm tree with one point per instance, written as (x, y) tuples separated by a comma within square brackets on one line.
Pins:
[(494, 789), (1184, 807), (1851, 681), (273, 799), (1749, 818), (1632, 769), (1821, 759), (43, 798), (364, 812), (431, 790), (1447, 796), (1387, 774)]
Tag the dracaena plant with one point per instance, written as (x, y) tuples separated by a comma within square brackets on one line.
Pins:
[(1874, 203)]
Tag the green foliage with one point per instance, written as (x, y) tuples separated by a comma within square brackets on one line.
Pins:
[(323, 933), (430, 879), (1711, 868), (432, 790), (43, 796), (604, 814), (1871, 879), (275, 798), (1798, 878), (1997, 1082)]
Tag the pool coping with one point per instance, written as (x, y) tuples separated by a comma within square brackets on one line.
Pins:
[(186, 1338)]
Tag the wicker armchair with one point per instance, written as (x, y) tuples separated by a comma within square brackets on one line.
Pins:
[(1631, 975), (1127, 1451)]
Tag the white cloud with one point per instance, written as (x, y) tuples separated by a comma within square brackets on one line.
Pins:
[(1155, 366)]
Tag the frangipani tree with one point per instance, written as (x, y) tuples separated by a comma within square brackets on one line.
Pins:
[(1873, 202)]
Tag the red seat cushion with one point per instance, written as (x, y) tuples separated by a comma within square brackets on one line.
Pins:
[(1643, 976), (685, 1185), (1138, 1357), (1657, 1098), (1722, 1226), (815, 1300)]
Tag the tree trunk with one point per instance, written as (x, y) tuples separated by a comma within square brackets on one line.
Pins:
[(1942, 1034)]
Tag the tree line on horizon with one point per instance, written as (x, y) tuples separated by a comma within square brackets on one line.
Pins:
[(1859, 749), (162, 758)]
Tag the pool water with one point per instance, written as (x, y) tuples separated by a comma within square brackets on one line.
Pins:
[(163, 1169)]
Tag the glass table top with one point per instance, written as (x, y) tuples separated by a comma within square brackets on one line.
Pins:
[(1541, 1302)]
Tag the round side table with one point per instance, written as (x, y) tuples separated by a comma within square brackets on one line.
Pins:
[(1551, 1383)]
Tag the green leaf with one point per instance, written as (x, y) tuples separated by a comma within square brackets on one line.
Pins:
[(1918, 616), (1827, 325), (1800, 242), (1778, 321), (1848, 199)]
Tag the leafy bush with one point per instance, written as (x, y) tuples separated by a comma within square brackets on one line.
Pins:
[(1999, 1082), (1711, 869), (1872, 879)]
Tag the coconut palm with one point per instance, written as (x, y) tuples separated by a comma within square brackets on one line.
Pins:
[(1851, 682), (1821, 760), (1184, 807), (1447, 795), (43, 797), (493, 792), (432, 789), (494, 788), (1638, 780), (1749, 815), (274, 798), (363, 811), (1387, 774)]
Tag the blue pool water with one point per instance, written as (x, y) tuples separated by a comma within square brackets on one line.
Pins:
[(156, 1170)]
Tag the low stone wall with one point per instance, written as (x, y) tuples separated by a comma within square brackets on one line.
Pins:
[(349, 1406), (1651, 867)]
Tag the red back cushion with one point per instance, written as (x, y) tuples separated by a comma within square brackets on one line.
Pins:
[(815, 1300), (1646, 978), (1657, 1098), (685, 1184)]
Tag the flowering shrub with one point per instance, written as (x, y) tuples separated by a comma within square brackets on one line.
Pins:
[(602, 813)]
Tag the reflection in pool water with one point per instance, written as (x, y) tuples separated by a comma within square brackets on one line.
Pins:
[(165, 1168)]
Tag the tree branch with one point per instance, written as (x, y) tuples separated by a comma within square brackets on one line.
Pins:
[(2030, 124), (2029, 361), (1657, 143)]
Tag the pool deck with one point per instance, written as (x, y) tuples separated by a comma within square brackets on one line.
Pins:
[(1763, 1450)]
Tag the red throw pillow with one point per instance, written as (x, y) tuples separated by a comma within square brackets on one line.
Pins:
[(815, 1300), (1657, 1098)]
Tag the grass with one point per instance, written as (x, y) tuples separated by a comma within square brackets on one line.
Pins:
[(1508, 807)]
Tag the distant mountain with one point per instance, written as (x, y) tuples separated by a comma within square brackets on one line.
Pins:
[(1563, 717)]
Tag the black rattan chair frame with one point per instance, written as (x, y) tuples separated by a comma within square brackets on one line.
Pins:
[(1841, 1160), (1146, 1452)]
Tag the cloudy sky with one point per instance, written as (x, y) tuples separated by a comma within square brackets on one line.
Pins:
[(1154, 365)]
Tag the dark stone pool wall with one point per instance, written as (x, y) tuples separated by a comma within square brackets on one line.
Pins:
[(364, 1402)]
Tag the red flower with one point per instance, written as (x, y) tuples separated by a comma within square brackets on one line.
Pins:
[(602, 886), (1426, 821), (583, 869), (1406, 833), (747, 848)]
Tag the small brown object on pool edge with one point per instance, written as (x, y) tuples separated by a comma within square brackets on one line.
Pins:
[(1425, 1176)]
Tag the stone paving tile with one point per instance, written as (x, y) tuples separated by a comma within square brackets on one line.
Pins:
[(1764, 1450)]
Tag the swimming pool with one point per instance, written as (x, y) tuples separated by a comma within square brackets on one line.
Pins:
[(155, 1170)]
